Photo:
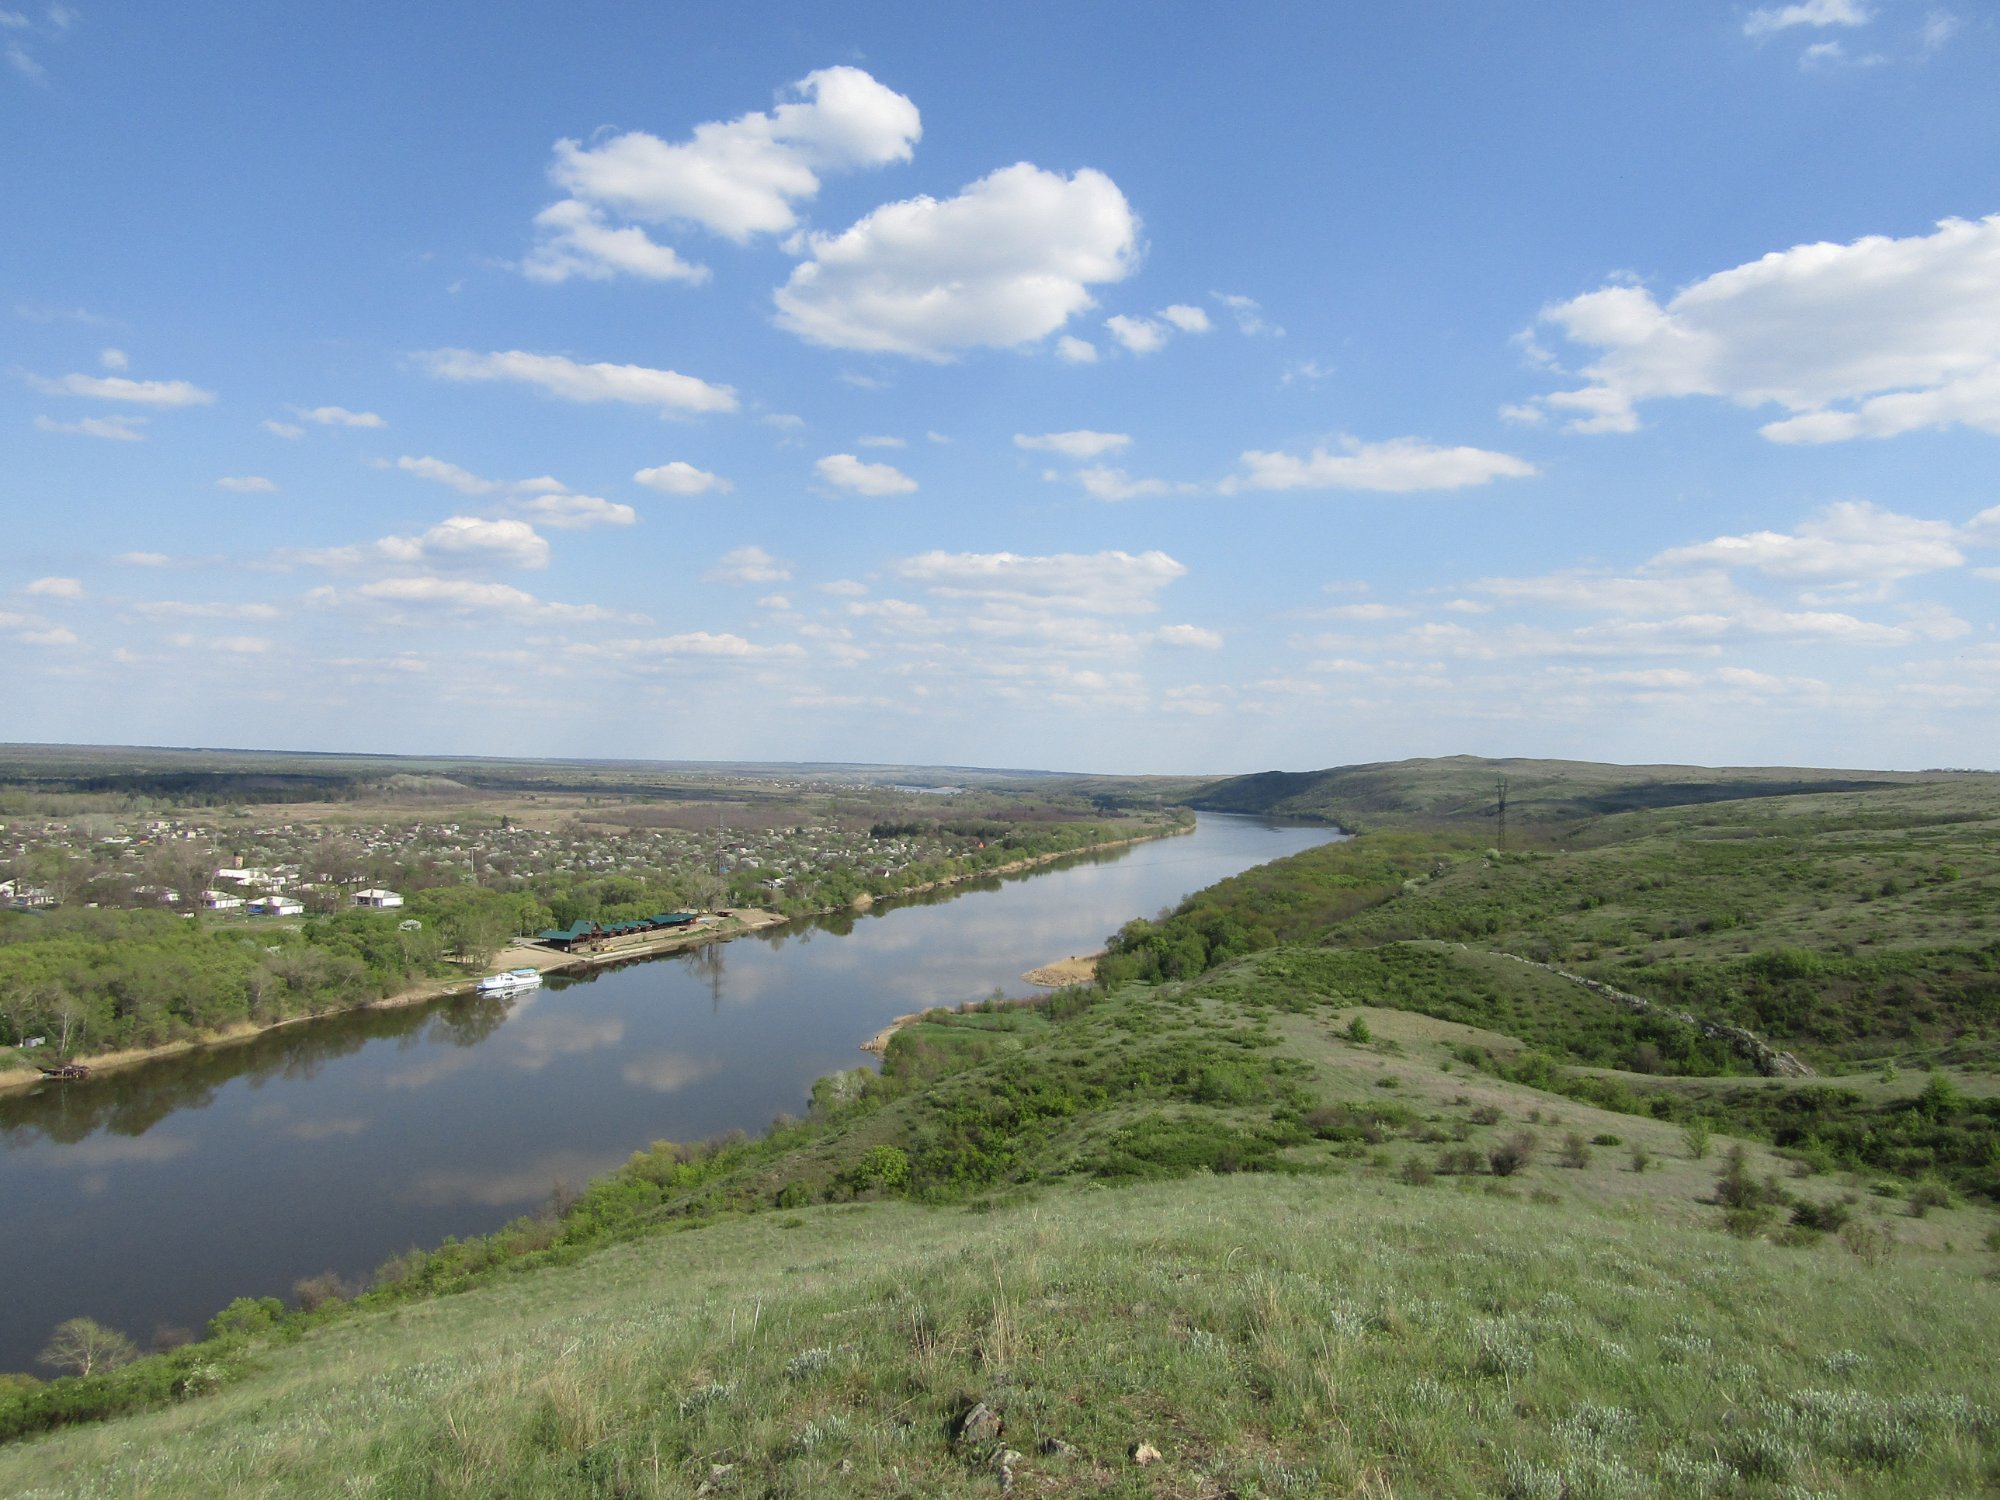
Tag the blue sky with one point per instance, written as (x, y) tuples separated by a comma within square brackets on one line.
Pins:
[(1115, 387)]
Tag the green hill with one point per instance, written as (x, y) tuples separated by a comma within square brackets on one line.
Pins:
[(1400, 1167), (1463, 790)]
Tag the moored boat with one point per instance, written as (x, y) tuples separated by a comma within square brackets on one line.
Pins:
[(513, 979)]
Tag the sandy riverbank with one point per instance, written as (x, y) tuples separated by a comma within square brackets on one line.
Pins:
[(1065, 971)]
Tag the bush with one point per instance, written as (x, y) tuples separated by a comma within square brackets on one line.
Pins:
[(1458, 1161), (1417, 1172), (1486, 1114), (1927, 1195), (1512, 1154), (1358, 1032), (1575, 1151), (1696, 1135)]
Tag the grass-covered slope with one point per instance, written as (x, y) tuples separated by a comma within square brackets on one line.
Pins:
[(1463, 790)]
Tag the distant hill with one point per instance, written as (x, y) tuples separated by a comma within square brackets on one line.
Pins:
[(1461, 789)]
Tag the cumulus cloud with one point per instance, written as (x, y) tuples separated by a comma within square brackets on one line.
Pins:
[(574, 239), (1807, 13), (464, 596), (859, 478), (1850, 540), (456, 542), (1248, 313), (570, 512), (742, 177), (881, 440), (57, 588), (1871, 338), (679, 478), (290, 431), (1094, 583), (744, 565), (1188, 637), (1080, 444), (1006, 262), (1075, 351), (179, 609), (1398, 466), (162, 393), (328, 416), (1138, 335), (116, 429), (668, 390), (439, 472), (247, 484), (1103, 482)]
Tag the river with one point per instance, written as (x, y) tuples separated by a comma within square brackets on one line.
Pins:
[(150, 1197)]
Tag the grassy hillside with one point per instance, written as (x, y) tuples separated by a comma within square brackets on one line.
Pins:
[(1399, 1167), (1463, 790)]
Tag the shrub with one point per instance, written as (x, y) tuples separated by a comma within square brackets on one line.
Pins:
[(1486, 1114), (1417, 1172), (1606, 1138), (1358, 1032), (1696, 1135), (1927, 1195), (1575, 1150), (1826, 1218), (1641, 1159), (1512, 1154), (1458, 1161)]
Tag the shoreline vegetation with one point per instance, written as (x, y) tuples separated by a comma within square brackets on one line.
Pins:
[(741, 922)]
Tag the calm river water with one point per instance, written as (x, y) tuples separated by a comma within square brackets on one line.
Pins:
[(155, 1196)]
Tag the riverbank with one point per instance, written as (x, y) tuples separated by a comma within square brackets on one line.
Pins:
[(741, 920), (1076, 969)]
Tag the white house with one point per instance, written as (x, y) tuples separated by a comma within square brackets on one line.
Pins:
[(277, 906), (219, 901), (380, 900)]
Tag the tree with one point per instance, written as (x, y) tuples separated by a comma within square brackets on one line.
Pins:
[(85, 1346)]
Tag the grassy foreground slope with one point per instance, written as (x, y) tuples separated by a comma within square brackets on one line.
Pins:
[(1268, 1336)]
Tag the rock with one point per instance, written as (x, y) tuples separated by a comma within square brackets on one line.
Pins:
[(1004, 1461), (1145, 1453), (980, 1425), (1054, 1447)]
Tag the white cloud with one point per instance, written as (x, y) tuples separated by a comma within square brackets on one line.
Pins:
[(743, 177), (143, 559), (247, 484), (743, 565), (1082, 443), (846, 588), (456, 542), (1398, 466), (1102, 482), (114, 359), (1191, 637), (1872, 338), (57, 635), (464, 596), (1075, 351), (287, 430), (439, 472), (668, 390), (881, 440), (574, 239), (1139, 335), (1248, 313), (329, 416), (57, 588), (856, 477), (1006, 262), (691, 643), (176, 609), (1849, 540), (1187, 319), (116, 429), (679, 478), (1095, 583), (1807, 13), (570, 512), (119, 388)]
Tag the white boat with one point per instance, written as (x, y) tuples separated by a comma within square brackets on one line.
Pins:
[(513, 979)]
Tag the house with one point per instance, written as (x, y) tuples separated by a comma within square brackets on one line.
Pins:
[(377, 899), (20, 893), (277, 906), (219, 901)]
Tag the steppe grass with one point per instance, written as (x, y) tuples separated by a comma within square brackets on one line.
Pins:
[(1268, 1335)]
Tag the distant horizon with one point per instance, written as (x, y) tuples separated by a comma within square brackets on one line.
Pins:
[(1077, 385), (751, 763)]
